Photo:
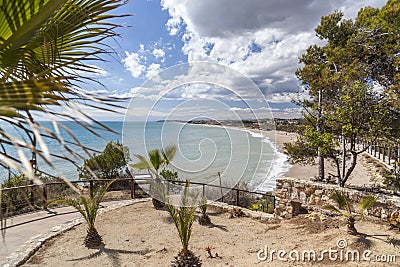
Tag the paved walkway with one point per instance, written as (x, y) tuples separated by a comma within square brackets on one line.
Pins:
[(22, 229)]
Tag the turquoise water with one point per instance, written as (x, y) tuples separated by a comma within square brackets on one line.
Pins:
[(238, 155)]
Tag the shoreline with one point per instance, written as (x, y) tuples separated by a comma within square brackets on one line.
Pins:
[(359, 176), (279, 158)]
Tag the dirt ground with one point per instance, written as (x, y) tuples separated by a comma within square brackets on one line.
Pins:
[(139, 235)]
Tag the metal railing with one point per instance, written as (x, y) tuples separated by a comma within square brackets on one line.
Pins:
[(22, 199)]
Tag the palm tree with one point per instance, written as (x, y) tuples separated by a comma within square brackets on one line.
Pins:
[(344, 207), (204, 219), (47, 51), (88, 207), (157, 160), (183, 219)]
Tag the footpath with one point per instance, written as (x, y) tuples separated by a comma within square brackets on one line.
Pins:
[(24, 234)]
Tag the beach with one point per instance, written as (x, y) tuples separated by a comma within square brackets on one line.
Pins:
[(360, 175)]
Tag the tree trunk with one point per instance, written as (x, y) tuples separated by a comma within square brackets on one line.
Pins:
[(351, 229), (337, 164), (93, 238), (321, 166), (350, 170), (341, 177), (321, 160)]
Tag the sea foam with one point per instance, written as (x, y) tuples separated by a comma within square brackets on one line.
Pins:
[(276, 169)]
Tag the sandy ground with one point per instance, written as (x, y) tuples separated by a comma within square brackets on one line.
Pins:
[(359, 176), (140, 235)]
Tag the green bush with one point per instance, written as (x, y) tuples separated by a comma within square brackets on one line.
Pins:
[(174, 185), (262, 204), (15, 199), (110, 164)]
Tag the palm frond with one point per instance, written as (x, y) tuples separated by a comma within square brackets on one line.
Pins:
[(87, 206), (367, 202), (44, 49), (169, 153), (341, 199), (331, 208), (155, 158), (143, 164), (183, 216)]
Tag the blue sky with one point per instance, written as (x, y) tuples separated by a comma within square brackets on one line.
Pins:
[(260, 39)]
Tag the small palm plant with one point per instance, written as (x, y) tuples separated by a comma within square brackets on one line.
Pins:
[(88, 207), (183, 219), (345, 207), (204, 219), (157, 160)]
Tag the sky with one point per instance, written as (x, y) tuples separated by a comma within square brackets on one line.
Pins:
[(239, 57)]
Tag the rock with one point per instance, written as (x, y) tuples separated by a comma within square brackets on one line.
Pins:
[(318, 192), (56, 228), (314, 200), (303, 197), (309, 191), (325, 198), (290, 210), (284, 214)]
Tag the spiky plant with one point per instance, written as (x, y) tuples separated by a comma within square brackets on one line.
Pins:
[(345, 207), (88, 207), (183, 217), (365, 203), (156, 160), (204, 219)]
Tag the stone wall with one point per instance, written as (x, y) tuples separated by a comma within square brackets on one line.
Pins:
[(293, 196)]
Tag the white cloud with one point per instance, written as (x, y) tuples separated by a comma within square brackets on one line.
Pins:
[(287, 97), (158, 53), (262, 39), (152, 70), (133, 63), (174, 25), (137, 63)]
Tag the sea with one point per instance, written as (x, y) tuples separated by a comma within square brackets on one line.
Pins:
[(205, 153)]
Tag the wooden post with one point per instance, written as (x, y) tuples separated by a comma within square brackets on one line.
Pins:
[(266, 203), (133, 187), (237, 197), (389, 153), (220, 186), (32, 194), (44, 196), (91, 188)]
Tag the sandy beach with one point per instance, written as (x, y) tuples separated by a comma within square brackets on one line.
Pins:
[(360, 175)]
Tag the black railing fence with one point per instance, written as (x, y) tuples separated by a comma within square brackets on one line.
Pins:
[(387, 154), (22, 199)]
